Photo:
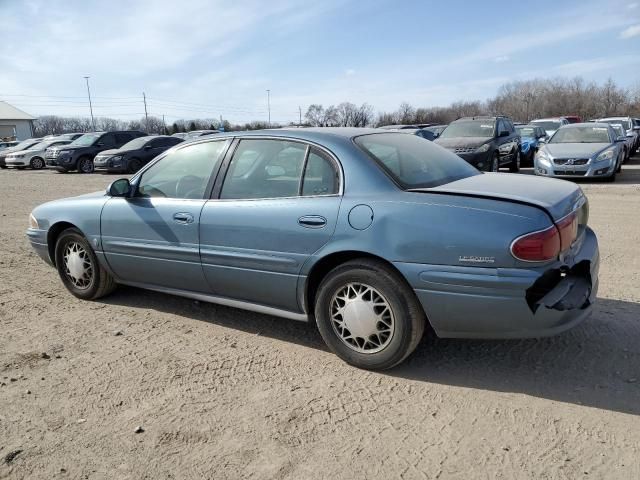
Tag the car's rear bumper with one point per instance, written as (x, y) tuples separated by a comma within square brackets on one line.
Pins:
[(475, 302)]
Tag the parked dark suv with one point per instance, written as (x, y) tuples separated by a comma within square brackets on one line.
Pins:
[(79, 154), (135, 154), (487, 143)]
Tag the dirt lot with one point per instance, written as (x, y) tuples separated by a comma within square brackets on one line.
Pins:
[(222, 393)]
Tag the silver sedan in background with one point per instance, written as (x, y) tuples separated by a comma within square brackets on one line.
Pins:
[(582, 150)]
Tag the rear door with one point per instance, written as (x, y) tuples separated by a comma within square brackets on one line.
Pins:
[(277, 205), (152, 238)]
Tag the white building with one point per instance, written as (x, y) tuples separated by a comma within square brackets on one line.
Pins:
[(14, 123)]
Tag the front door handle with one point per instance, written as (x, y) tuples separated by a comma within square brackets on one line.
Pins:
[(183, 218), (312, 221)]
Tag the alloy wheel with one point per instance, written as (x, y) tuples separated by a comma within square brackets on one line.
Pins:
[(86, 165), (362, 318)]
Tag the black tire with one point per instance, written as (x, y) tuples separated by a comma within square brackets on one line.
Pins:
[(3, 167), (99, 284), (134, 165), (514, 166), (85, 165), (494, 163), (407, 317), (37, 163)]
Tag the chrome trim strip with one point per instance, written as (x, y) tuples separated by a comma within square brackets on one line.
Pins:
[(227, 302)]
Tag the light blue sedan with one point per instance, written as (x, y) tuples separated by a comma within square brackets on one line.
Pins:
[(370, 234)]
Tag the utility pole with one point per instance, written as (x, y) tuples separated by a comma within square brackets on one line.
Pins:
[(269, 105), (164, 125), (221, 127), (93, 123), (300, 114), (146, 117)]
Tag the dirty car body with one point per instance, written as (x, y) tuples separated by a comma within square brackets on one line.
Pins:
[(484, 255)]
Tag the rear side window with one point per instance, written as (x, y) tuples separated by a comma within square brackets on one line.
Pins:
[(122, 138), (320, 176), (413, 163), (107, 140), (264, 169)]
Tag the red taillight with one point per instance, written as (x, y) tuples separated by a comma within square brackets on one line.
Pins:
[(547, 244), (568, 228), (537, 246)]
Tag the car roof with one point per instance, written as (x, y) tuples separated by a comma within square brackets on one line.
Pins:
[(588, 124)]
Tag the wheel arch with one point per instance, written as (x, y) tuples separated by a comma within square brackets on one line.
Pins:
[(324, 265), (52, 237)]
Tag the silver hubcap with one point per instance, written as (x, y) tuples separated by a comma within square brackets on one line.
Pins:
[(362, 318), (37, 163), (78, 266)]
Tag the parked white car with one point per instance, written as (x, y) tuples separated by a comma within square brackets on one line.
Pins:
[(34, 156), (550, 125), (631, 129)]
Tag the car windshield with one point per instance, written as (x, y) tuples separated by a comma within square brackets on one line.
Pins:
[(549, 125), (136, 143), (586, 134), (86, 139), (526, 131), (412, 162), (471, 128), (624, 123), (25, 144)]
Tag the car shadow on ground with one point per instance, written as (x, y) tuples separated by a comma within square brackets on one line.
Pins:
[(596, 364)]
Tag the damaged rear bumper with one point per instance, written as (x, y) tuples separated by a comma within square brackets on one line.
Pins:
[(473, 302)]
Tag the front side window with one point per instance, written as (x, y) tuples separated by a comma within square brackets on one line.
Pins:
[(412, 162), (264, 169), (184, 173)]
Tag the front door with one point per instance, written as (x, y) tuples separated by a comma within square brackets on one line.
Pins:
[(277, 206), (152, 238)]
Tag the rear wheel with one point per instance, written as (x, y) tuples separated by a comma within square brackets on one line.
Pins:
[(37, 163), (79, 268), (85, 165), (368, 315), (514, 167)]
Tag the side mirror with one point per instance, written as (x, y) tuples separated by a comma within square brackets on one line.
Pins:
[(621, 138), (503, 133), (119, 188)]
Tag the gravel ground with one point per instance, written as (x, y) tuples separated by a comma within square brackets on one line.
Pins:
[(221, 393)]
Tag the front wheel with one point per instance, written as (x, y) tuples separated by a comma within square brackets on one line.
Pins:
[(37, 163), (134, 165), (368, 315), (514, 167), (85, 165), (79, 268), (494, 163)]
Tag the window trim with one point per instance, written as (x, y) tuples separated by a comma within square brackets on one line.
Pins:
[(224, 169)]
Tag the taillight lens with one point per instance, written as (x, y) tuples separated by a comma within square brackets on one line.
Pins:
[(537, 246), (568, 228)]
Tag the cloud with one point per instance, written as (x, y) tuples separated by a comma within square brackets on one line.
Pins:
[(349, 72), (632, 5), (632, 31), (501, 59)]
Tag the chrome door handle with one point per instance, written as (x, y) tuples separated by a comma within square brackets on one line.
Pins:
[(183, 217), (312, 221)]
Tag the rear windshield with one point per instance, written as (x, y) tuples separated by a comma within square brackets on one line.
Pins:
[(624, 123), (548, 125), (471, 128), (412, 162), (526, 131), (136, 143)]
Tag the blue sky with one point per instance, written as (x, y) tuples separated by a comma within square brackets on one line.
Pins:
[(204, 58)]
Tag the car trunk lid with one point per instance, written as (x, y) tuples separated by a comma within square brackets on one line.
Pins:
[(557, 197)]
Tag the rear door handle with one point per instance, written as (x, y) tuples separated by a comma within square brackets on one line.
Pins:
[(312, 221), (183, 218)]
